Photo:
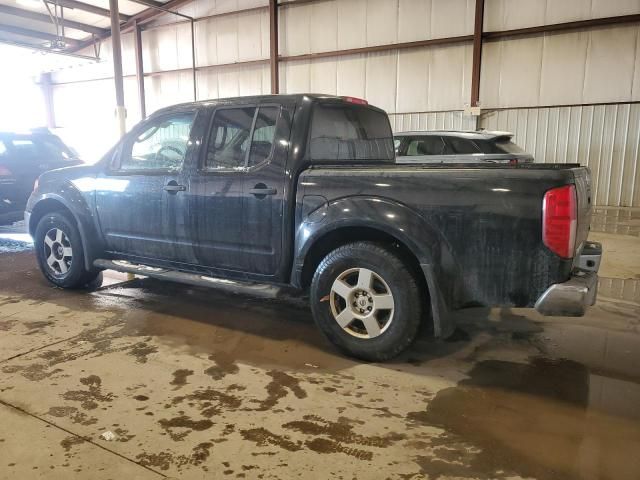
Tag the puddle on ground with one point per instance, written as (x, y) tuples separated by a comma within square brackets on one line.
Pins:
[(546, 420), (15, 242)]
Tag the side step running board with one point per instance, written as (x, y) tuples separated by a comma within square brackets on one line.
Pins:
[(256, 289)]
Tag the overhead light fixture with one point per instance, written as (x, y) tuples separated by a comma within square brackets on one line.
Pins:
[(57, 45)]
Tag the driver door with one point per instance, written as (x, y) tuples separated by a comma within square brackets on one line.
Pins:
[(135, 196)]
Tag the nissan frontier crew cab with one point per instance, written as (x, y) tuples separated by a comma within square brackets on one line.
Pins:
[(303, 190)]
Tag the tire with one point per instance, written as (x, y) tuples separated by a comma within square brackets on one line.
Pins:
[(61, 256), (377, 328)]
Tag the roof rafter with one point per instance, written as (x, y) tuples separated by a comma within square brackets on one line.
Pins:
[(25, 32), (89, 8), (41, 17)]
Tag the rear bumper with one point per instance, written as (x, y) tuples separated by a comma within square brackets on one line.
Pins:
[(571, 298)]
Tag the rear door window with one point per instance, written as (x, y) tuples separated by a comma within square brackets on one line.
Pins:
[(229, 138), (427, 145), (349, 132), (263, 134), (460, 146)]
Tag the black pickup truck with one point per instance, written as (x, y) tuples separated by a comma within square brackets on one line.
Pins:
[(303, 190)]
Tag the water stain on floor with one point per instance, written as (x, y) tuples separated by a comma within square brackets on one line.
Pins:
[(180, 377), (89, 399), (532, 420)]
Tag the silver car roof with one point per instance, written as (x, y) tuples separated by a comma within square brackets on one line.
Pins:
[(479, 134)]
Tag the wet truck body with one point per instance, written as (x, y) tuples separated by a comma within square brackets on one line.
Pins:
[(310, 196)]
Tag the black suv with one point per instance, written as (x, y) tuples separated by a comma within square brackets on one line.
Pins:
[(23, 157)]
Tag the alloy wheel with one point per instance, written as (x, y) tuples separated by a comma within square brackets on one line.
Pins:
[(361, 303), (58, 251)]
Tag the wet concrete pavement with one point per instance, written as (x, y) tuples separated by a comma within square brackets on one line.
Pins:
[(204, 383)]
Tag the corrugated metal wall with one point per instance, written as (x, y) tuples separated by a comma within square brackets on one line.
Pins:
[(451, 120), (604, 137)]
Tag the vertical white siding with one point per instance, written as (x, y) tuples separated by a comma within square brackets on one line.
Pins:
[(452, 120), (594, 66), (606, 138), (510, 14)]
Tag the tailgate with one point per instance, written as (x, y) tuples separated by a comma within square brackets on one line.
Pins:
[(582, 177)]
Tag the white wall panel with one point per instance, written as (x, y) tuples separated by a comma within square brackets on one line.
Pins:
[(605, 138), (352, 31), (226, 30), (295, 23), (610, 50), (563, 64), (381, 75), (414, 22), (611, 8), (323, 31), (567, 11), (251, 37), (351, 72), (294, 77), (510, 14), (592, 66), (451, 17), (452, 120), (382, 22), (206, 43), (413, 80), (323, 76), (167, 88), (635, 88), (448, 73)]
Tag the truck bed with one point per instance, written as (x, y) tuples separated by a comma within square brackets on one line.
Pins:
[(484, 222)]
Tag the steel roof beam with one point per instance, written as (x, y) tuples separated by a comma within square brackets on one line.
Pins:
[(85, 7), (25, 32), (41, 17)]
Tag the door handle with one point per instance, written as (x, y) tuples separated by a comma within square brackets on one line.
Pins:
[(174, 188), (262, 190)]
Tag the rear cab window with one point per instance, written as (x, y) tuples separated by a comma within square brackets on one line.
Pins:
[(341, 131)]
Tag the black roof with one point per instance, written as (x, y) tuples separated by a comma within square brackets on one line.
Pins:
[(253, 99)]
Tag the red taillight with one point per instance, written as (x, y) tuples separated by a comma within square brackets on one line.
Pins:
[(559, 220), (358, 101), (4, 171), (513, 161)]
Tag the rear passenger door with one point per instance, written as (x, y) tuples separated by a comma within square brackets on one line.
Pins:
[(235, 196)]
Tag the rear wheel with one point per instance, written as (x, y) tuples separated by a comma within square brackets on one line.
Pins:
[(366, 300), (60, 254)]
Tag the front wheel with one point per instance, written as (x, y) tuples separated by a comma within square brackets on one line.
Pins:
[(366, 301), (60, 254)]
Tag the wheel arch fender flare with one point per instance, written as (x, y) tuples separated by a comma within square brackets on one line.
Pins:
[(392, 219), (75, 204)]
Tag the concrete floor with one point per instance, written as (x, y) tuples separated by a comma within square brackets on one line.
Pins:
[(197, 383)]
